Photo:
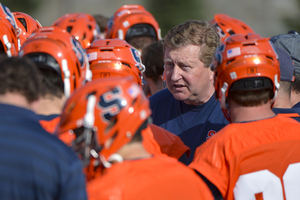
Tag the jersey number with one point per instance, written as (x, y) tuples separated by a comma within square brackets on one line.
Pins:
[(269, 185)]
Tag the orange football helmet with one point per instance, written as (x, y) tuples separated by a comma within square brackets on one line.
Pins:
[(129, 21), (119, 12), (60, 50), (100, 111), (26, 24), (114, 57), (9, 32), (227, 26), (82, 26), (241, 57)]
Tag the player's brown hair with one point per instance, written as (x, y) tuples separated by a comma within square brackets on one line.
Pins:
[(251, 98), (20, 75), (53, 84), (194, 32), (101, 21), (296, 84), (139, 42), (153, 59)]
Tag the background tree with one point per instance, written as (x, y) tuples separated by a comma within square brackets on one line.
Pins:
[(169, 13), (293, 23), (25, 6)]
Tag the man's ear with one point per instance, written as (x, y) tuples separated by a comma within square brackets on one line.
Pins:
[(211, 75)]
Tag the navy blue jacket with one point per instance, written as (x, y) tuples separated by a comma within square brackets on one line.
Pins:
[(33, 163), (289, 112), (168, 114)]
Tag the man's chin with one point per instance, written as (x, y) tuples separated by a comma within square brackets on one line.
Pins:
[(180, 96)]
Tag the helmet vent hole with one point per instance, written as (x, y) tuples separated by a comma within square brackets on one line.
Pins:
[(249, 44), (105, 50), (23, 22), (69, 29), (126, 64), (231, 32), (230, 61)]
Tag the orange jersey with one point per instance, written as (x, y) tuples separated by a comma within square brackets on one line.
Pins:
[(170, 144), (159, 177), (253, 160), (50, 122), (149, 142), (157, 140)]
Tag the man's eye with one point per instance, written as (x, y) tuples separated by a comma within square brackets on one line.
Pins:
[(184, 66), (168, 65)]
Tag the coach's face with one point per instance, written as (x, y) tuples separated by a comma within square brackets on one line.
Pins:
[(187, 77)]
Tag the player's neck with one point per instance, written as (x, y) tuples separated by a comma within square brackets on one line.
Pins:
[(295, 98), (244, 114), (134, 150), (51, 105), (282, 101), (17, 99)]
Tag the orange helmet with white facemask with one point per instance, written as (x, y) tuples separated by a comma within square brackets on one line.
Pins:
[(58, 49), (250, 59), (82, 26), (104, 115), (114, 57), (227, 26), (26, 24), (9, 32), (129, 21)]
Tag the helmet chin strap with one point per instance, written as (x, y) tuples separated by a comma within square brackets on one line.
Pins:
[(8, 45), (19, 44), (224, 105), (120, 34), (88, 73), (112, 158), (277, 85), (67, 74)]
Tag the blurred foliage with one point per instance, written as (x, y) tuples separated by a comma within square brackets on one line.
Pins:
[(169, 13), (25, 6), (293, 23)]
